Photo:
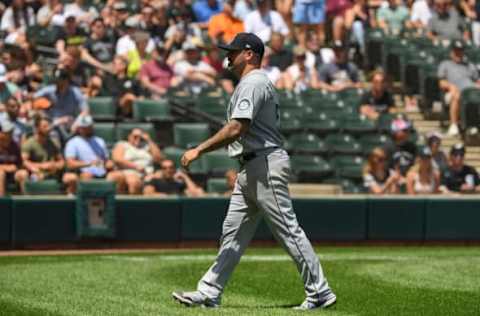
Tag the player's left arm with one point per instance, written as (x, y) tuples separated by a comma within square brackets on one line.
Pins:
[(225, 136)]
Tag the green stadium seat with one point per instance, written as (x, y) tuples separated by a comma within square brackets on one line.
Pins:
[(351, 187), (321, 123), (470, 103), (217, 185), (151, 110), (306, 143), (106, 131), (44, 187), (218, 162), (102, 108), (384, 122), (289, 123), (44, 36), (123, 129), (310, 168), (358, 124), (369, 142), (188, 135), (350, 167), (343, 144), (213, 105), (175, 154)]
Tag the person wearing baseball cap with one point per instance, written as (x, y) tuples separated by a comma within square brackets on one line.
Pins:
[(459, 177), (434, 141), (252, 135), (455, 76), (402, 152), (10, 158), (86, 156), (423, 177)]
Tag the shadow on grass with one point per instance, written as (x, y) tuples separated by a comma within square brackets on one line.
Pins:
[(9, 308)]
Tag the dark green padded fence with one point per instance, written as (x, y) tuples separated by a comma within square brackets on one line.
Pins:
[(453, 219), (26, 221), (396, 218), (141, 219), (5, 221), (43, 220), (333, 218)]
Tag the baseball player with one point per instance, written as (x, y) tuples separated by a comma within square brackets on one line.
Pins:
[(261, 189)]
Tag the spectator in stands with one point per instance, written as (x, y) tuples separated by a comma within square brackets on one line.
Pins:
[(446, 23), (156, 76), (79, 74), (82, 11), (51, 14), (459, 177), (340, 13), (87, 157), (378, 100), (205, 9), (135, 157), (403, 152), (298, 77), (193, 73), (423, 177), (99, 48), (340, 74), (115, 16), (171, 181), (41, 156), (421, 14), (122, 89), (273, 73), (440, 161), (377, 177), (10, 159), (280, 57), (230, 178), (70, 35), (264, 21), (309, 14), (243, 8), (7, 88), (474, 15), (131, 36), (316, 54), (180, 8), (392, 18), (357, 21), (65, 102), (223, 27), (15, 21), (456, 75), (140, 53), (19, 132)]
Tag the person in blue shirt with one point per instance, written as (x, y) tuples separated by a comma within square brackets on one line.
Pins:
[(205, 9), (66, 102), (87, 156)]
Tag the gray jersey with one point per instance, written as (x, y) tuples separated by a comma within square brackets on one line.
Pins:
[(255, 99)]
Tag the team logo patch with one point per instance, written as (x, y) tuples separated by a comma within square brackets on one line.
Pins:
[(244, 105)]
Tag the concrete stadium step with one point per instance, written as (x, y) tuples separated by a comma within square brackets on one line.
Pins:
[(434, 125), (312, 189)]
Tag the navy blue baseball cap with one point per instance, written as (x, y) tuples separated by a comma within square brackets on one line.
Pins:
[(245, 41)]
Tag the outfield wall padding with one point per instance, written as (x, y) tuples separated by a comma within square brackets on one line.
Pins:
[(145, 219), (396, 218), (5, 221), (332, 219), (453, 219), (43, 220)]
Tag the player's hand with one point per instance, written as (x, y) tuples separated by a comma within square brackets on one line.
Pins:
[(189, 156)]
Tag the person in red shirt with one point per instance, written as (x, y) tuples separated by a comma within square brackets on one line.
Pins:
[(156, 75)]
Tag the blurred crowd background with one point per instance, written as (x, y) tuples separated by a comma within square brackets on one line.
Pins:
[(116, 90)]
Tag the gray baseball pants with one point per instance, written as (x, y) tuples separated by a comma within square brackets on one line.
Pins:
[(261, 190)]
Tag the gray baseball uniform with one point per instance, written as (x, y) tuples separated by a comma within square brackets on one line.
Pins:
[(261, 190)]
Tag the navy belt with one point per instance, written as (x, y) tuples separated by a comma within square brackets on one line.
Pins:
[(243, 159)]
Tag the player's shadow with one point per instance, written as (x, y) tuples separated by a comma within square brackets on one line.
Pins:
[(262, 306)]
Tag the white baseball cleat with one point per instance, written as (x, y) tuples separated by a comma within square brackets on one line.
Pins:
[(325, 302), (195, 298)]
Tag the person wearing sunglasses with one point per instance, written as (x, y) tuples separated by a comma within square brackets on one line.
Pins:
[(377, 177)]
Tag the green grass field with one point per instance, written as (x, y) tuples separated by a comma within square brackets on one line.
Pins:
[(367, 281)]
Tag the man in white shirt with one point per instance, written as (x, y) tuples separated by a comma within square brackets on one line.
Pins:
[(421, 13), (126, 43), (194, 73), (263, 21)]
